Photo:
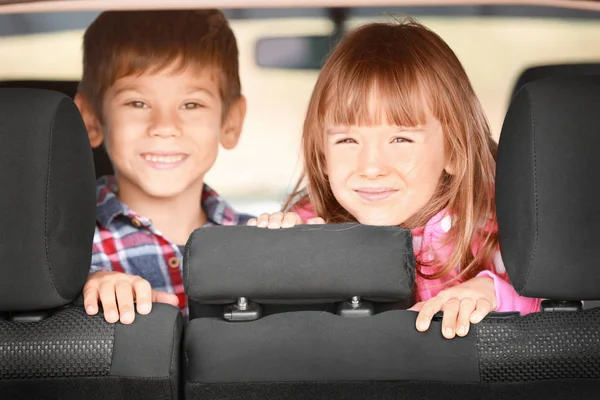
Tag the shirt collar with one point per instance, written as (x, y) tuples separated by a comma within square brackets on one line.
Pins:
[(108, 205)]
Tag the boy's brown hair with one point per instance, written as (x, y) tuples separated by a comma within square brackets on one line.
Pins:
[(124, 43)]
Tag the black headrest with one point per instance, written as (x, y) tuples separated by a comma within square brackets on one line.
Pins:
[(555, 71), (102, 162), (47, 201), (547, 188), (306, 262)]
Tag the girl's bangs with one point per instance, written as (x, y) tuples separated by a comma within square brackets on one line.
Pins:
[(372, 93)]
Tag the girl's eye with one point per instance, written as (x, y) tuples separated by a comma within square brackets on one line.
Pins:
[(401, 140), (137, 104), (345, 141), (191, 106)]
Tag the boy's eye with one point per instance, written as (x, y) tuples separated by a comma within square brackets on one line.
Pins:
[(401, 140), (191, 106), (137, 104)]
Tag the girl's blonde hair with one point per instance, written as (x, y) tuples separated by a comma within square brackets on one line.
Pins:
[(403, 66)]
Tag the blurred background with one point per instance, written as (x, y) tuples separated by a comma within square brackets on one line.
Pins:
[(495, 44)]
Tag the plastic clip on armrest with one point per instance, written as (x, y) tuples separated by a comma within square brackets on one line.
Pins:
[(243, 310), (355, 308)]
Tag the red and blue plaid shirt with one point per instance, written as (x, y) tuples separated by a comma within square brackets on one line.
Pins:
[(127, 242)]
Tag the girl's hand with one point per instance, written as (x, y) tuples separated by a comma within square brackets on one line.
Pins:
[(464, 304), (280, 220)]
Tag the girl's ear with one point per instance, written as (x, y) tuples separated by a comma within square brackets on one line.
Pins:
[(450, 167), (91, 120)]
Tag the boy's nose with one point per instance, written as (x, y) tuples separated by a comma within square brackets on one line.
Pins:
[(164, 125), (165, 131)]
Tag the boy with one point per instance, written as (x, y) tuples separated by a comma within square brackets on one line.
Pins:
[(161, 90)]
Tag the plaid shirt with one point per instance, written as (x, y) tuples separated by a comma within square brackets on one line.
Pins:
[(127, 242)]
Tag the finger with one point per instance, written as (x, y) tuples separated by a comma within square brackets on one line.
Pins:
[(417, 307), (90, 299), (291, 219), (109, 302), (428, 310), (252, 222), (143, 296), (164, 297), (124, 291), (451, 308), (263, 220), (482, 309), (467, 306), (275, 220), (315, 221)]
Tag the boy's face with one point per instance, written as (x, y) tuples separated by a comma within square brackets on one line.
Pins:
[(162, 130)]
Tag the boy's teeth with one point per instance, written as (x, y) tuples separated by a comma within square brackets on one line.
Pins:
[(163, 159)]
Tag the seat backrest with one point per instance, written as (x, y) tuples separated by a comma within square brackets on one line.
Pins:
[(102, 163), (49, 347), (548, 213)]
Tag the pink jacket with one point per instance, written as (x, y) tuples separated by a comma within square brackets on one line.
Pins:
[(428, 241)]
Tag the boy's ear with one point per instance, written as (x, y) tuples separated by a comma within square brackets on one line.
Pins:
[(92, 123), (232, 127)]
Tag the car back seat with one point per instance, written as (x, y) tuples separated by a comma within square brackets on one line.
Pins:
[(549, 216), (49, 347)]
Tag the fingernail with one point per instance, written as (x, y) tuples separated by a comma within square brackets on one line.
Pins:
[(113, 315), (422, 326), (448, 332), (90, 309), (475, 318), (461, 330), (127, 316), (262, 224), (144, 308)]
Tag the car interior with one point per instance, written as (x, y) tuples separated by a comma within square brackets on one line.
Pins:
[(315, 312)]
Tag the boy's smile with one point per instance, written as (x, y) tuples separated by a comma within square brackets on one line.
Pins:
[(164, 160)]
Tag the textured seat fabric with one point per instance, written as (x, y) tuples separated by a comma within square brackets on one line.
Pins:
[(548, 214), (49, 347)]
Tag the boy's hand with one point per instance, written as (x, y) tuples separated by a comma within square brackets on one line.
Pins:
[(117, 292), (464, 304), (280, 220)]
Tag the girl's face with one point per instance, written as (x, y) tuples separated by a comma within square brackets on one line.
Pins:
[(384, 174)]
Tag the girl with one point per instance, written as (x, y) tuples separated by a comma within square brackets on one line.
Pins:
[(395, 135)]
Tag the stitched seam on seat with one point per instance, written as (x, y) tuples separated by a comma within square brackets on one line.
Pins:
[(535, 193), (46, 197), (175, 366)]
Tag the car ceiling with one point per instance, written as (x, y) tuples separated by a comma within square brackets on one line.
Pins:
[(36, 6)]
